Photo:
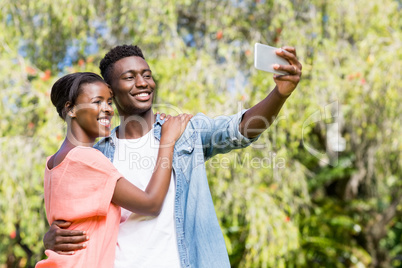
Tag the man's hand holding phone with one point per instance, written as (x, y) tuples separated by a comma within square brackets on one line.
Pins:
[(283, 63)]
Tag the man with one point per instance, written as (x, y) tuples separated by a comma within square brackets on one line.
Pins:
[(187, 232)]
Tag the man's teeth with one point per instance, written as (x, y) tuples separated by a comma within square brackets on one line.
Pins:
[(104, 122), (142, 94)]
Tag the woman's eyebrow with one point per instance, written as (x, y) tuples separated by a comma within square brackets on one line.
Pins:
[(97, 97)]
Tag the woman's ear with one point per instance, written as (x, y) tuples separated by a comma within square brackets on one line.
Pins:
[(70, 109)]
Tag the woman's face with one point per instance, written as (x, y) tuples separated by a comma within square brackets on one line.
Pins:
[(92, 112)]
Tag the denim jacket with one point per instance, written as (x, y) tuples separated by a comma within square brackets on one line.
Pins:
[(199, 237)]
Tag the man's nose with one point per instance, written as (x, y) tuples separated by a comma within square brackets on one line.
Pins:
[(140, 81)]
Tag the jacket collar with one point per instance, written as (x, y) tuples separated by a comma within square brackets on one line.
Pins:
[(158, 126)]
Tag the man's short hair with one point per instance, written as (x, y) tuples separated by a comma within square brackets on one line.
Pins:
[(115, 54)]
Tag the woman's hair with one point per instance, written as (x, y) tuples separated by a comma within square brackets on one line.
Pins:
[(67, 89)]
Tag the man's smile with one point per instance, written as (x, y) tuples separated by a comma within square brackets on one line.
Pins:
[(142, 96)]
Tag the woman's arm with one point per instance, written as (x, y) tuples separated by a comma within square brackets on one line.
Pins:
[(150, 201)]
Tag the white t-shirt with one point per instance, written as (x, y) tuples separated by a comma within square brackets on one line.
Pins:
[(144, 241)]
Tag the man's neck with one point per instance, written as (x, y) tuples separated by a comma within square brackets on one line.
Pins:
[(135, 126)]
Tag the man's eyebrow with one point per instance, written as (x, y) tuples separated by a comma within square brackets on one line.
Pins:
[(132, 71)]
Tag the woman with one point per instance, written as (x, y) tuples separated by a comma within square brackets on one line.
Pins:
[(82, 186)]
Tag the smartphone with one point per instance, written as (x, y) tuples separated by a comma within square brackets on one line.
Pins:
[(265, 58)]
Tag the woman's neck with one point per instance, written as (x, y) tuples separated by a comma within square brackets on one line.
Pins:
[(77, 137)]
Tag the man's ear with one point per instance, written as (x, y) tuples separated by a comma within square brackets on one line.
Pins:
[(70, 109)]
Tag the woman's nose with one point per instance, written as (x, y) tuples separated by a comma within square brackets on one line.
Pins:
[(107, 108)]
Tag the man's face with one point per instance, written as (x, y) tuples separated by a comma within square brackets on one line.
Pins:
[(132, 85)]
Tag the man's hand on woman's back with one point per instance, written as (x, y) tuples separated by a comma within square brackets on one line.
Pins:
[(64, 241)]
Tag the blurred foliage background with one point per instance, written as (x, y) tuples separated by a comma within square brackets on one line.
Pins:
[(321, 187)]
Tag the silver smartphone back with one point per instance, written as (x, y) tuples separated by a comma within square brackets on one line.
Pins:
[(265, 58)]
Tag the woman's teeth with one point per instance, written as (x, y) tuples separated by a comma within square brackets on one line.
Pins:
[(104, 122)]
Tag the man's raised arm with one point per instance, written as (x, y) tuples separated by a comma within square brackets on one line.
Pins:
[(259, 117)]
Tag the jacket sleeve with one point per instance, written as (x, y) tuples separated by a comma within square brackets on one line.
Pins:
[(221, 134)]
